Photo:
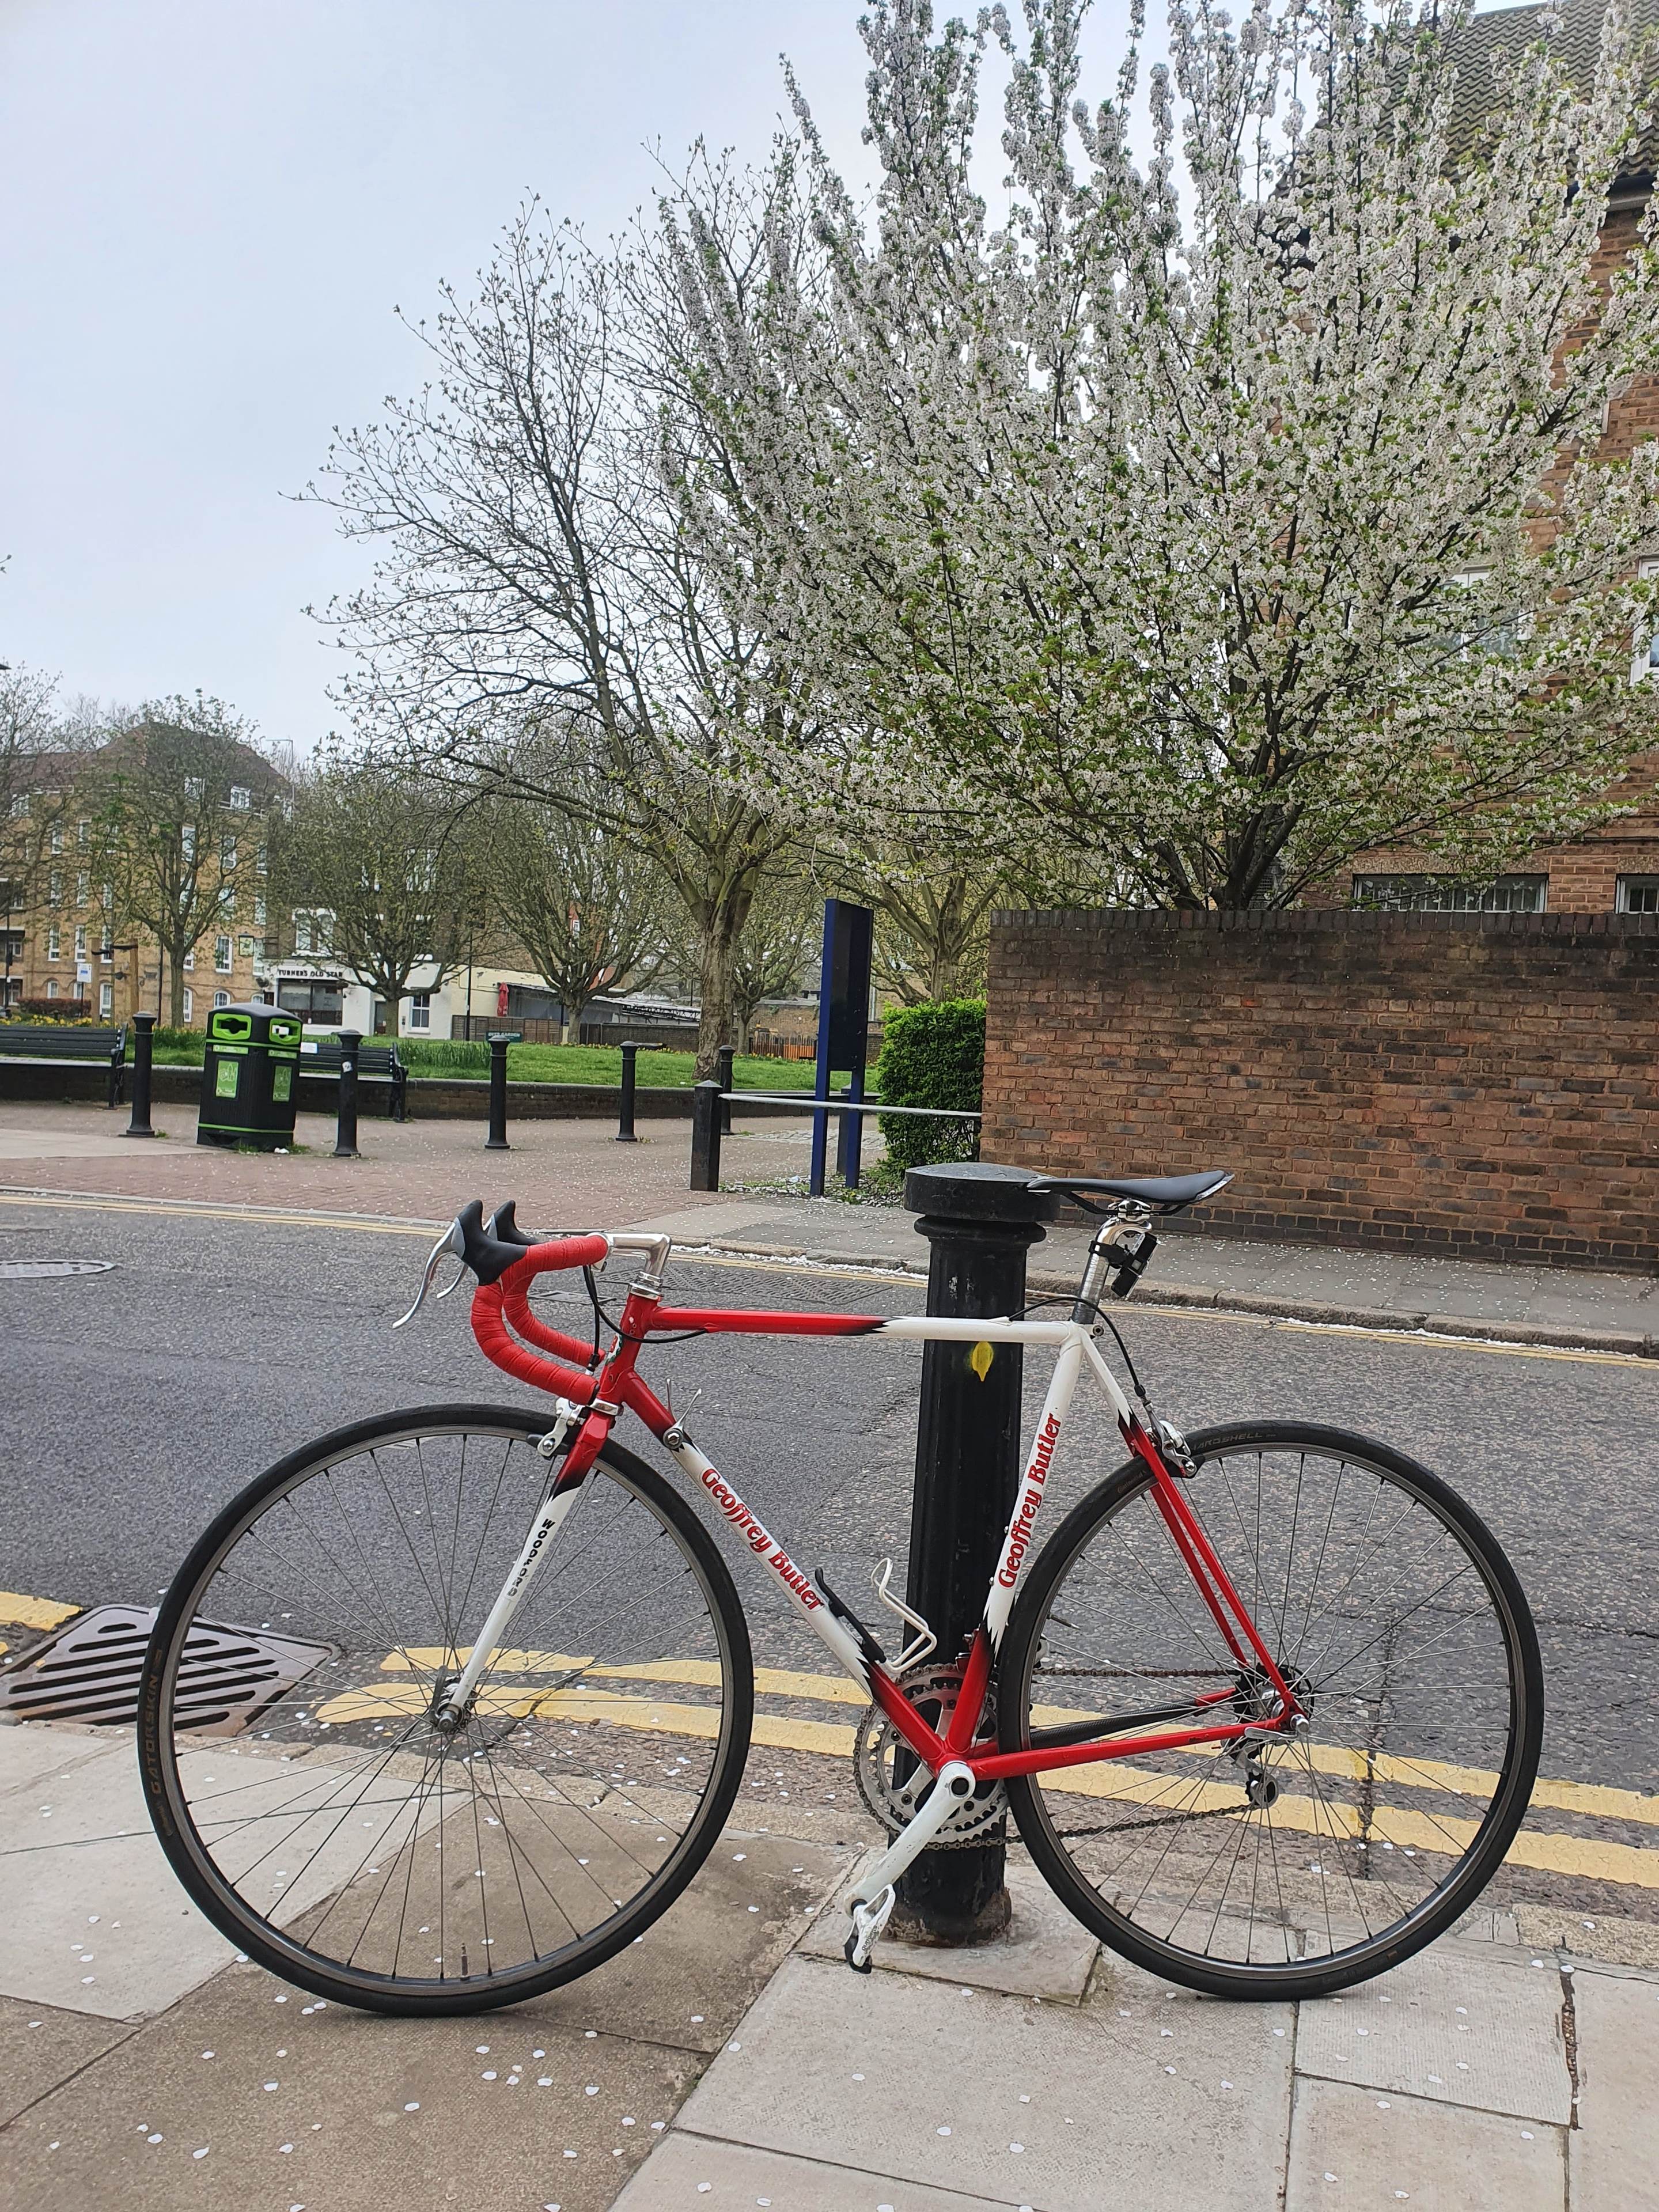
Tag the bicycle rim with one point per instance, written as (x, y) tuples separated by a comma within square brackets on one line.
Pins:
[(1294, 1866), (335, 1831)]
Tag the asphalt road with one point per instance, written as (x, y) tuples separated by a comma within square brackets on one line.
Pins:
[(137, 1401)]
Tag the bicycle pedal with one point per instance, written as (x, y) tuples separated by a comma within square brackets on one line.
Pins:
[(868, 1921)]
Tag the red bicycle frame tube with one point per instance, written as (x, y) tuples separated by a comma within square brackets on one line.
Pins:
[(550, 1360)]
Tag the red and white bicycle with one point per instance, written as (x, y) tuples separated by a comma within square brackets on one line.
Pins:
[(1265, 1710)]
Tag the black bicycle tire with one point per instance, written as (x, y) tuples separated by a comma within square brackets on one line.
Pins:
[(223, 1905), (1320, 1976)]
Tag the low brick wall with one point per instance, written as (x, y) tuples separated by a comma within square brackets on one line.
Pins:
[(1479, 1085)]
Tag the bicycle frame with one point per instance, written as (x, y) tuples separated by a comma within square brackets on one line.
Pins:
[(594, 1401)]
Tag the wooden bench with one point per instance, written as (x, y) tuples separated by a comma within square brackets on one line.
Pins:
[(376, 1063), (40, 1044)]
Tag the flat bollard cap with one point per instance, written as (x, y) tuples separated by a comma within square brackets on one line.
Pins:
[(978, 1190)]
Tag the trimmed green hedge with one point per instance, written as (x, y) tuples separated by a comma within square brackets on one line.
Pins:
[(931, 1055)]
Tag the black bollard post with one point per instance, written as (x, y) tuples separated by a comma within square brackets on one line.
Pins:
[(499, 1041), (979, 1220), (625, 1127), (143, 1044), (706, 1137), (345, 1135), (723, 1062)]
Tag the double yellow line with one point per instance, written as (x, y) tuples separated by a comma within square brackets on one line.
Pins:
[(1545, 1850)]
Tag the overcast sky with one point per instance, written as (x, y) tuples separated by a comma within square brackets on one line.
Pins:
[(210, 209)]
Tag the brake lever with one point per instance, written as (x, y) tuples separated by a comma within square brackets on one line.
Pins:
[(451, 1241)]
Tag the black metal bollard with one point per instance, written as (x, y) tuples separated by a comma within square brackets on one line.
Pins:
[(706, 1137), (499, 1041), (980, 1220), (724, 1060), (144, 1045), (625, 1126), (345, 1135)]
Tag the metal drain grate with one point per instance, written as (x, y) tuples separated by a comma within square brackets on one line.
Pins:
[(88, 1671), (28, 1271)]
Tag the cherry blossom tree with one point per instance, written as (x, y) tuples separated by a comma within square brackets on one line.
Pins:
[(1214, 511)]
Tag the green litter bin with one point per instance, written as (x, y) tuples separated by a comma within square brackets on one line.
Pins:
[(249, 1070)]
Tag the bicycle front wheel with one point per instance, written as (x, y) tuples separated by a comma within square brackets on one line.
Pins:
[(1286, 1866), (327, 1823)]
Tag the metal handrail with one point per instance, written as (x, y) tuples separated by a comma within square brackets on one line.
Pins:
[(836, 1103)]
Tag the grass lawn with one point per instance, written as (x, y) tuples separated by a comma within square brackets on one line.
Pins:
[(544, 1063)]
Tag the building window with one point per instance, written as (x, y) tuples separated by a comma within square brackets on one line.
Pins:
[(189, 1004), (54, 942), (1636, 895), (83, 836), (51, 987), (260, 861), (314, 928), (57, 838), (107, 898), (190, 960), (19, 805), (79, 944), (195, 790), (321, 1001), (187, 843), (228, 852), (1451, 894), (106, 1000), (1645, 661), (258, 914), (240, 798), (83, 887), (420, 1009), (55, 887), (222, 999), (221, 956)]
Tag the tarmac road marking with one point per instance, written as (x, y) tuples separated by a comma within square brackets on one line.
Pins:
[(1599, 1801), (17, 1611), (1587, 1858)]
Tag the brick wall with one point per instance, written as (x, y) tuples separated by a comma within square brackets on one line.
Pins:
[(1479, 1085)]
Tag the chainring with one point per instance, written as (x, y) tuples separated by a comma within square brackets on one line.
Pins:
[(877, 1743)]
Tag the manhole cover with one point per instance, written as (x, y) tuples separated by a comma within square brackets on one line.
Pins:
[(88, 1672), (22, 1271)]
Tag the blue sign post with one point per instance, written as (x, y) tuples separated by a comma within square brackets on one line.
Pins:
[(843, 1031)]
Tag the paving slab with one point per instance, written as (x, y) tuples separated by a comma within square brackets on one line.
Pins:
[(1009, 2099), (688, 2171), (706, 1960), (1044, 1953), (32, 1749), (41, 2046), (1451, 2027), (1612, 2157), (108, 1930), (248, 2096), (1352, 2151)]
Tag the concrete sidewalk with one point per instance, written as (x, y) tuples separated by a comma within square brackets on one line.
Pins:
[(1522, 1305), (731, 2060)]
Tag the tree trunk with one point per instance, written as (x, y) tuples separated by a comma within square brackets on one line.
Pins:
[(718, 972), (175, 989)]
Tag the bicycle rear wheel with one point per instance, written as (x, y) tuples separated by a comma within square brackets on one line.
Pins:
[(1328, 1856), (330, 1828)]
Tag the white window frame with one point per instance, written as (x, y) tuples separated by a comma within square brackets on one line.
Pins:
[(190, 1005), (241, 798), (1644, 651), (222, 962), (221, 998), (51, 987), (420, 1009), (105, 1001), (80, 941), (54, 942), (1626, 884)]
